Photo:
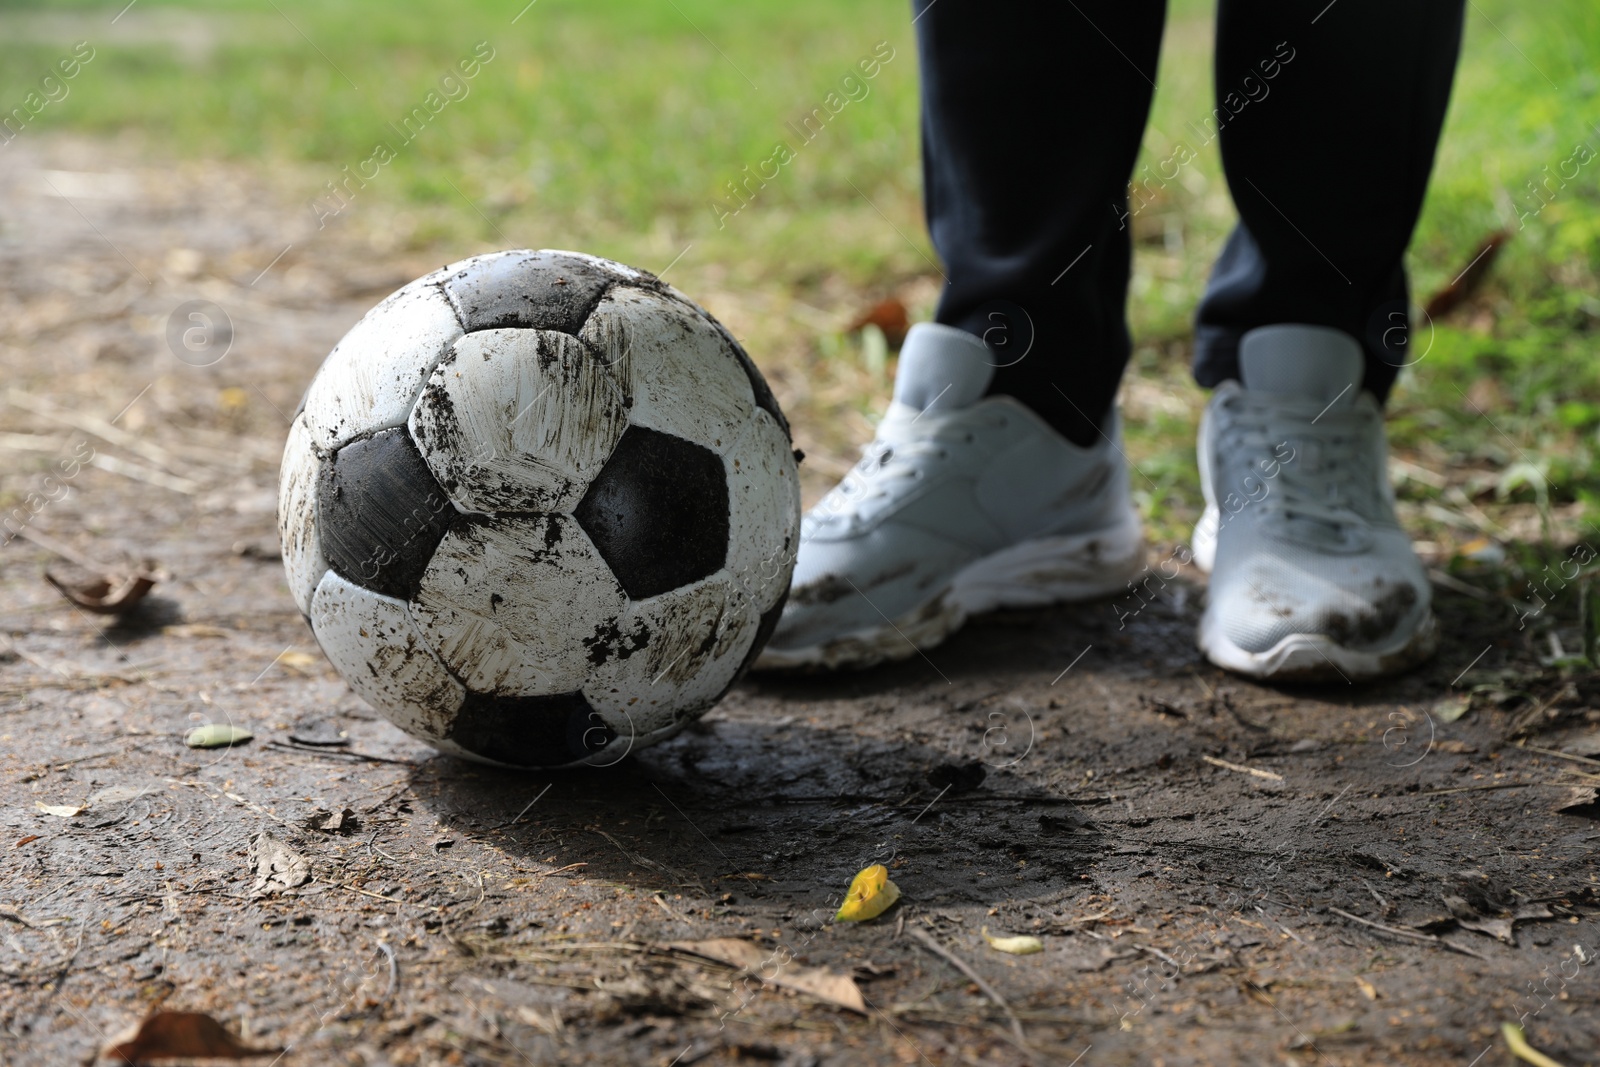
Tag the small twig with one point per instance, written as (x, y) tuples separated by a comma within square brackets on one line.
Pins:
[(379, 896), (643, 861), (961, 965), (1449, 581), (1492, 785), (83, 759), (1096, 917), (107, 462), (1414, 935), (1559, 754), (337, 754), (97, 427), (668, 908), (1271, 776)]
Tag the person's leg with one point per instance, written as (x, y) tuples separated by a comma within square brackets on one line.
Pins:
[(995, 479), (1032, 115), (1329, 116), (1334, 109)]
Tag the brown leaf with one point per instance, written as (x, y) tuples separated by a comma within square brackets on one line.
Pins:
[(276, 865), (105, 594), (1582, 801), (890, 316), (777, 966), (173, 1034), (1466, 283), (1499, 929), (334, 822)]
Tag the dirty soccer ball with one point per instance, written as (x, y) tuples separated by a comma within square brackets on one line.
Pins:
[(539, 509)]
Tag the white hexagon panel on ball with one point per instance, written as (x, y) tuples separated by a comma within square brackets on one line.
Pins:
[(763, 510), (374, 643), (374, 374), (671, 655), (686, 380), (519, 420), (303, 561), (510, 603)]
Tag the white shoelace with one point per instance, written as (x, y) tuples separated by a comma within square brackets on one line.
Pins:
[(1304, 462)]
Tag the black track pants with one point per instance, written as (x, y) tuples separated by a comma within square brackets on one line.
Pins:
[(1032, 114)]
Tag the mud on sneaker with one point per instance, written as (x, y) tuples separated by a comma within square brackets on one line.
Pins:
[(961, 504), (1312, 578)]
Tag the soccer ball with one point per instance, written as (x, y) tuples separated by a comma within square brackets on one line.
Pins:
[(539, 509)]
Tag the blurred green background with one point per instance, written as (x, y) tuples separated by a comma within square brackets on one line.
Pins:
[(614, 127)]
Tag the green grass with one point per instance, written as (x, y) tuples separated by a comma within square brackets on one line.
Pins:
[(614, 127), (602, 122)]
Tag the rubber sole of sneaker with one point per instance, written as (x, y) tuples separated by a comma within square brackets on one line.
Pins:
[(1317, 658), (1047, 570)]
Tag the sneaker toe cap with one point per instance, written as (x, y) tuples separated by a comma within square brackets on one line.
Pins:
[(1364, 608), (844, 587)]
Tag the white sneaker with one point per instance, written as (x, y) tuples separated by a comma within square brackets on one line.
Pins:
[(1312, 578), (961, 504)]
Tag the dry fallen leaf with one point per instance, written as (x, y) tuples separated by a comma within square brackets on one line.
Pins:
[(65, 811), (216, 735), (174, 1034), (1368, 990), (299, 661), (890, 316), (1581, 801), (106, 594), (1021, 945), (276, 865), (871, 894), (1459, 291), (334, 822), (777, 966)]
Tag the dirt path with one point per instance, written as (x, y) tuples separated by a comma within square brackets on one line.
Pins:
[(1219, 872)]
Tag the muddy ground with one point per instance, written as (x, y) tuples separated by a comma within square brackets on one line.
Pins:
[(1219, 872)]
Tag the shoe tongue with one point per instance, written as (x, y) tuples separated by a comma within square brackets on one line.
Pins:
[(1302, 362), (941, 368)]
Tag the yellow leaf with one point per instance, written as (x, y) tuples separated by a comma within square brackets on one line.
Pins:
[(871, 894), (1519, 1047), (1021, 945), (65, 811)]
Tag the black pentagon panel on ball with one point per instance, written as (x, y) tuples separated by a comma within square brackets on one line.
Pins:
[(527, 290), (547, 731), (381, 513), (658, 512)]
